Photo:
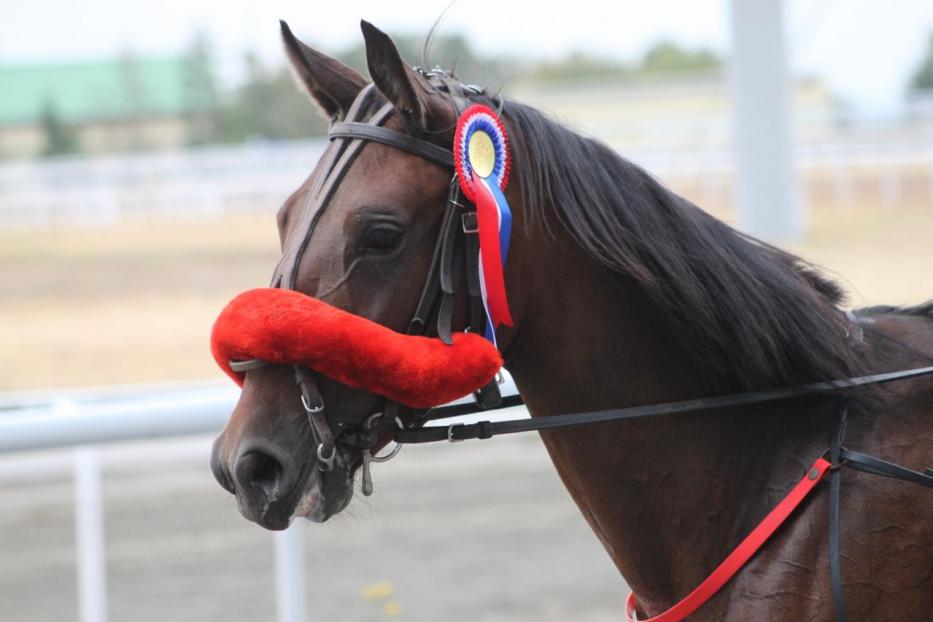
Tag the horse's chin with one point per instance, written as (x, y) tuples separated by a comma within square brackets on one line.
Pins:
[(326, 493)]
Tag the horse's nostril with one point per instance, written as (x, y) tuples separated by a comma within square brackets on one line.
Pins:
[(260, 471), (266, 470)]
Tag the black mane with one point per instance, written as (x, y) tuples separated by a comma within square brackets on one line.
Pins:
[(751, 314)]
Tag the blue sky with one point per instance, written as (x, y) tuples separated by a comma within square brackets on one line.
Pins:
[(865, 50)]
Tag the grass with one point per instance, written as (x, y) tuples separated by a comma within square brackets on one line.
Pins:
[(135, 302)]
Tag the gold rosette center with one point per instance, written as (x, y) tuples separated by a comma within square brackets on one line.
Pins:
[(482, 154)]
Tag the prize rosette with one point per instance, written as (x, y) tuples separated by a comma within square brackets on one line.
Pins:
[(483, 163)]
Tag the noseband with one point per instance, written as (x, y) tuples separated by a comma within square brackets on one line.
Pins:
[(457, 239)]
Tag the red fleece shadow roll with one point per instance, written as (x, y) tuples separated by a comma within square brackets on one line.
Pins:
[(288, 327)]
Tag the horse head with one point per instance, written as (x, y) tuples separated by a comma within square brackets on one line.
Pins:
[(360, 234)]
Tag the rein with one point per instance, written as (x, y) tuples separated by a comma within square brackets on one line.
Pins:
[(488, 429), (458, 236)]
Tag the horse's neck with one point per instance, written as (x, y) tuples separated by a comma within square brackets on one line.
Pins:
[(663, 495)]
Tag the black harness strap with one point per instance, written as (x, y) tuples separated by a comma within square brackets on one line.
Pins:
[(450, 269), (433, 284), (366, 131), (287, 270), (837, 437), (858, 461), (462, 432)]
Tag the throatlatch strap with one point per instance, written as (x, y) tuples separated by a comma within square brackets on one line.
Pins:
[(742, 553)]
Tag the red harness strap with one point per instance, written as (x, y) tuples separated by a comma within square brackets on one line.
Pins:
[(742, 553)]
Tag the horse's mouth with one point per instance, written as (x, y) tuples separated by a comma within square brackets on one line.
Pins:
[(324, 494), (312, 505)]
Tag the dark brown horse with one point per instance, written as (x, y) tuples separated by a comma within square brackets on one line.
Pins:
[(623, 293)]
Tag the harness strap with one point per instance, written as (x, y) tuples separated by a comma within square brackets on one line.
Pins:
[(314, 409), (486, 429), (324, 190), (741, 554), (835, 485), (428, 151), (450, 271), (488, 396), (432, 285), (876, 466)]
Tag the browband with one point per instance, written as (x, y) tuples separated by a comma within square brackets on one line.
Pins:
[(429, 151)]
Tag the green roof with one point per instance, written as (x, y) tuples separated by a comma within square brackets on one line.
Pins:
[(81, 92)]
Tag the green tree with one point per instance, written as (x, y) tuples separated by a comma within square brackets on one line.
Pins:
[(270, 106), (922, 79), (668, 57), (578, 66), (59, 137)]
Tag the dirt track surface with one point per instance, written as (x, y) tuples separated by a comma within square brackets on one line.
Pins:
[(474, 531)]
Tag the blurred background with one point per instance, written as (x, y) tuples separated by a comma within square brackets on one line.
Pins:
[(144, 151)]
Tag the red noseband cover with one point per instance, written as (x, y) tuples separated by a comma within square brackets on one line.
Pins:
[(287, 327)]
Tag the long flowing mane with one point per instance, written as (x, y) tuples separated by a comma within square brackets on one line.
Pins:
[(752, 315)]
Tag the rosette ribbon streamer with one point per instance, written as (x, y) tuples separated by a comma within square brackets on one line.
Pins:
[(482, 159)]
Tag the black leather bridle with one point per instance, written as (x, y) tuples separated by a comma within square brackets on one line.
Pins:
[(455, 259), (455, 255)]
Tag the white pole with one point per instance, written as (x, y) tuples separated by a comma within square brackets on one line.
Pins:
[(766, 193), (89, 536), (290, 575)]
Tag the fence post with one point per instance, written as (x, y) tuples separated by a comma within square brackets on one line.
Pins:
[(290, 575), (89, 536), (767, 198)]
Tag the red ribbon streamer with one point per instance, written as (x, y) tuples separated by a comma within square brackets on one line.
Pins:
[(487, 215)]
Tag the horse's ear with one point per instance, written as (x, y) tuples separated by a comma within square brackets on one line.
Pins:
[(329, 82), (400, 84)]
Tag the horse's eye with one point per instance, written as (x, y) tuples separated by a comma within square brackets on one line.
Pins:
[(381, 238)]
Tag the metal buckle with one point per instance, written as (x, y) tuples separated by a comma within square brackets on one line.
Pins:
[(470, 222), (308, 408), (388, 456), (369, 425), (450, 433), (327, 462)]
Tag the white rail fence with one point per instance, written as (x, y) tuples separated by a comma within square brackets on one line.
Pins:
[(209, 182), (84, 420)]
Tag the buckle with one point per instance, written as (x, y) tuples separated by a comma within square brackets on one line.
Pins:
[(450, 433), (470, 223), (311, 410), (326, 463)]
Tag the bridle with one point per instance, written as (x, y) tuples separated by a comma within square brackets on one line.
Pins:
[(455, 257), (454, 260)]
